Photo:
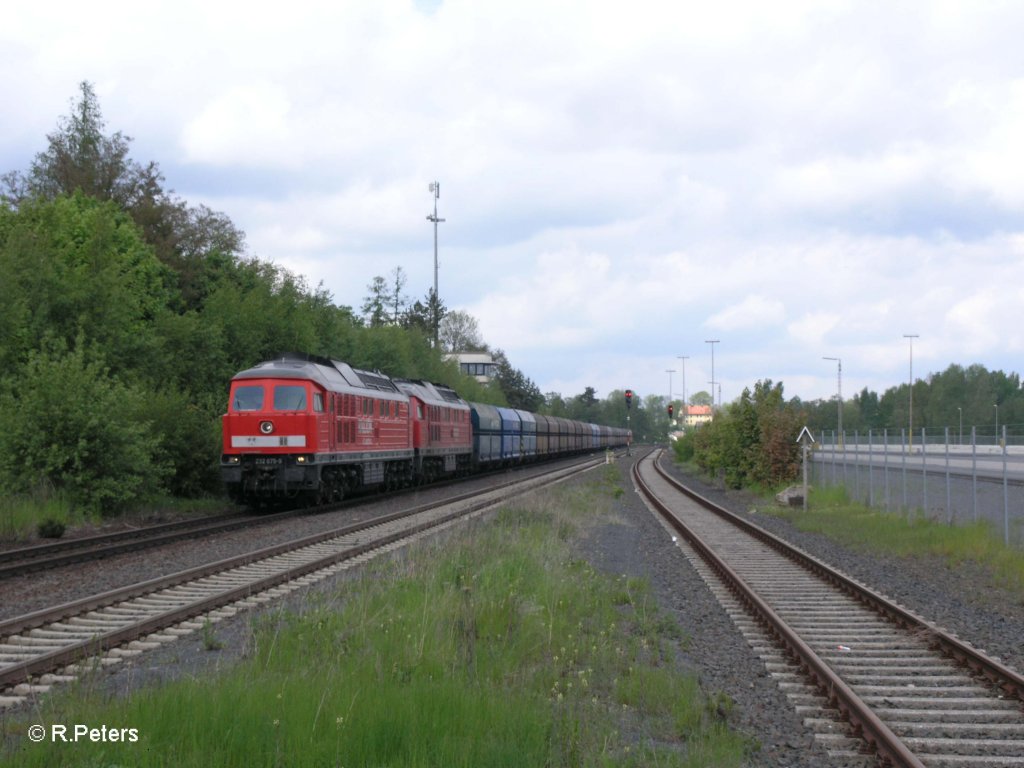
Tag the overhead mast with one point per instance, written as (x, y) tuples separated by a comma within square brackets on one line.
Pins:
[(435, 188)]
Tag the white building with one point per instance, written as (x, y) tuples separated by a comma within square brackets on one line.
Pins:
[(697, 415), (479, 365)]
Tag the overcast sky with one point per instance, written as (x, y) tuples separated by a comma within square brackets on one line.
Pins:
[(620, 181)]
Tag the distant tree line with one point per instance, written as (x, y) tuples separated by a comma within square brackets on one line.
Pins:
[(752, 441), (972, 396)]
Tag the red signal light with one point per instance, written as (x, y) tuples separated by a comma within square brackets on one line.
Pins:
[(671, 410)]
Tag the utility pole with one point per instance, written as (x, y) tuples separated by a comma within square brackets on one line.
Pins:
[(712, 342), (839, 390), (910, 430), (686, 408), (435, 189)]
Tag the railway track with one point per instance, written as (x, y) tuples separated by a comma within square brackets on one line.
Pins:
[(40, 557), (869, 677), (49, 646), (15, 562)]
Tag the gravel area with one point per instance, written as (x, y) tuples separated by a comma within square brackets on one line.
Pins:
[(638, 545), (34, 591), (959, 598)]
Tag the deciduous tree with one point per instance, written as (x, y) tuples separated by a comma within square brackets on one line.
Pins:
[(460, 332)]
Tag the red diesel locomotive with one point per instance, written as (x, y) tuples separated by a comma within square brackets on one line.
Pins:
[(308, 428)]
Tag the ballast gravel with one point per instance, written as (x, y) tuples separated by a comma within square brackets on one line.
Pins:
[(958, 597)]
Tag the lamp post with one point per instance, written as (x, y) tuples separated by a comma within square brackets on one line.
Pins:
[(682, 361), (435, 189), (996, 406), (839, 390), (712, 342), (960, 412), (910, 430)]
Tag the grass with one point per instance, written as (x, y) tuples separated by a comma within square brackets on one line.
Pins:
[(21, 515), (832, 513), (499, 647)]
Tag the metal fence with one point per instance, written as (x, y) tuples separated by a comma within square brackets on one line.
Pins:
[(946, 480)]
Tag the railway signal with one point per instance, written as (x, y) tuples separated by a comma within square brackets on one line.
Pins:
[(629, 399), (671, 410)]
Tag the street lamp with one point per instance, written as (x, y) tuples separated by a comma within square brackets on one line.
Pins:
[(839, 398), (911, 337), (435, 189), (712, 342), (682, 360), (996, 406)]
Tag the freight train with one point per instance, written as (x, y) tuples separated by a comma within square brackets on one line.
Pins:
[(303, 428)]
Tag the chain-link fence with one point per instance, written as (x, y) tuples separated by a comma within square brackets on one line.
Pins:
[(939, 475)]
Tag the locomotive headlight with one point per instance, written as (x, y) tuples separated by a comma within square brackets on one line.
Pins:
[(300, 459), (232, 459), (266, 427)]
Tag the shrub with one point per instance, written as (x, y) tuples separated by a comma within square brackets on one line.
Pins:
[(66, 421), (50, 529)]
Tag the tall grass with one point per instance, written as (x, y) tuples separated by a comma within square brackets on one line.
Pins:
[(499, 647), (21, 514), (832, 513)]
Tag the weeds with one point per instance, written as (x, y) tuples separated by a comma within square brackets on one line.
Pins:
[(210, 640), (832, 513)]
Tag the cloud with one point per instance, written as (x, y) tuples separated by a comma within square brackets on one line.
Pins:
[(810, 329), (753, 313), (800, 179), (245, 126)]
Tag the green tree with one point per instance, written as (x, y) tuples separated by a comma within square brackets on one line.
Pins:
[(426, 315), (753, 440), (460, 332), (396, 299), (67, 421), (700, 398), (583, 407), (81, 158), (554, 405), (519, 390), (77, 266), (375, 305)]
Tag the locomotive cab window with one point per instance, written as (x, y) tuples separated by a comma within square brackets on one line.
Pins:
[(289, 397), (318, 402), (247, 399)]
